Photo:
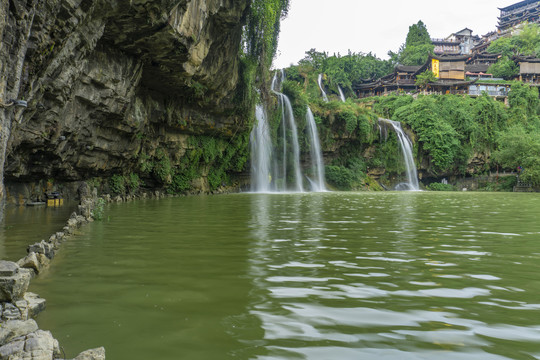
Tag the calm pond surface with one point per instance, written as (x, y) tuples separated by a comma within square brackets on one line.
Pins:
[(397, 275)]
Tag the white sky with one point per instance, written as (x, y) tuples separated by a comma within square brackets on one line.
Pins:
[(335, 26)]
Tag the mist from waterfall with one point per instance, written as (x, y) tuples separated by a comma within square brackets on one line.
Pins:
[(406, 149)]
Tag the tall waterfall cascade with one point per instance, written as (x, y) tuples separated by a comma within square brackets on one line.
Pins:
[(406, 149), (276, 168), (323, 93)]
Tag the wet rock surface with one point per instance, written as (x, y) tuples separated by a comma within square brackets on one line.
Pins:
[(107, 82)]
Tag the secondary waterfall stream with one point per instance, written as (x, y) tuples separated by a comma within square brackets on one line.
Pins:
[(277, 169), (406, 149), (341, 94), (319, 81), (317, 164)]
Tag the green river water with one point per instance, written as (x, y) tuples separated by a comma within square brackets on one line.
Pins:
[(394, 275)]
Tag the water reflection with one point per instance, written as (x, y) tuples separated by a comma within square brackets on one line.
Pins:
[(386, 276)]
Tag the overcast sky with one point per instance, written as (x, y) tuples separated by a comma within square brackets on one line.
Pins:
[(378, 26)]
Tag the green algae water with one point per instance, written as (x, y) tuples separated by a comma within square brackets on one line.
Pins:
[(21, 226), (399, 275)]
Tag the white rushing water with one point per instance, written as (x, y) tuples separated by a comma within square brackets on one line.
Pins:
[(406, 149), (279, 170), (261, 153), (341, 94), (317, 164), (319, 81)]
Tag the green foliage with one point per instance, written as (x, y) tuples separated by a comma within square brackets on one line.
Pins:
[(133, 183), (341, 177), (386, 106), (524, 105), (504, 68), (350, 120), (99, 209), (450, 129), (417, 35), (162, 167), (440, 187), (343, 71), (503, 46), (417, 47), (525, 42), (423, 79), (520, 147), (439, 139), (117, 184), (314, 59), (297, 97), (145, 163), (120, 184), (262, 29)]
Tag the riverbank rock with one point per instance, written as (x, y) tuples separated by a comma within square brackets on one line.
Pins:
[(37, 345), (35, 261), (92, 354), (16, 328), (14, 281), (30, 305)]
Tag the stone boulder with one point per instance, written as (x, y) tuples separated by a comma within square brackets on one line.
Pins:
[(30, 306), (14, 281), (92, 354), (16, 328), (37, 345)]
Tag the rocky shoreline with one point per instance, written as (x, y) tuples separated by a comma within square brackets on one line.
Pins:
[(20, 337)]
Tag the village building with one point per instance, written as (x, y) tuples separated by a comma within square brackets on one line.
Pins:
[(444, 46), (529, 69), (456, 74), (523, 11), (458, 43)]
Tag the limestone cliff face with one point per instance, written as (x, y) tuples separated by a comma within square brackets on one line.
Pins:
[(109, 81)]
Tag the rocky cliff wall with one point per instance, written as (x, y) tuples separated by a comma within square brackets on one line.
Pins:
[(115, 86)]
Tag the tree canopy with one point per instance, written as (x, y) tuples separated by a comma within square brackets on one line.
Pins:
[(417, 47)]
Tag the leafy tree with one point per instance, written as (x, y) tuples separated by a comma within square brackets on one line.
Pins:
[(423, 79), (418, 35), (525, 42), (524, 105), (517, 147), (504, 46), (417, 46), (438, 138), (262, 29), (315, 59), (504, 68)]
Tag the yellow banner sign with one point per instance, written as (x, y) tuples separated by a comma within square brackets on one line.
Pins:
[(435, 67)]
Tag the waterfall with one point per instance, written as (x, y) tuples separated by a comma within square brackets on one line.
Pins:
[(276, 169), (319, 81), (341, 94), (287, 121), (317, 164), (406, 149), (268, 172), (261, 153)]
